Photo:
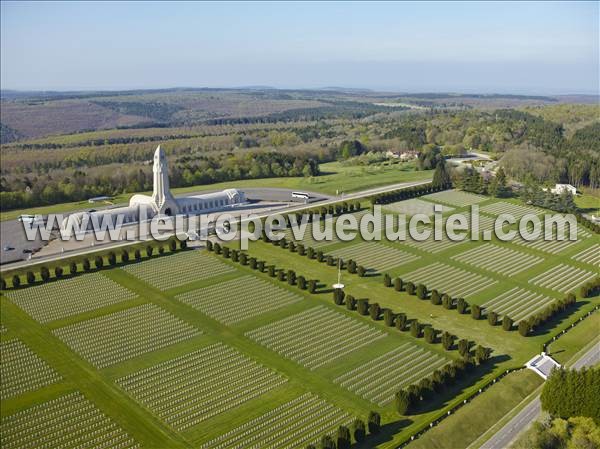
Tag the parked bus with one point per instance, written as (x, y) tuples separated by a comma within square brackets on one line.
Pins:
[(300, 195)]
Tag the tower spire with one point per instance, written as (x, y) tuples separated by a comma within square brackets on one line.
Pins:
[(161, 195)]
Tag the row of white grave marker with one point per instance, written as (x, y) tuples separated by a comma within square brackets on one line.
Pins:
[(196, 386), (316, 337), (178, 269), (120, 336), (380, 378), (295, 424), (70, 421), (238, 299), (22, 370), (54, 300)]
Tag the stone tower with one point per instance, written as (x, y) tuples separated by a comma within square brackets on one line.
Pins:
[(161, 195)]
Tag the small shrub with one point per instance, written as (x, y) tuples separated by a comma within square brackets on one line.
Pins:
[(429, 333), (447, 341), (361, 271), (447, 301), (388, 317), (86, 264), (398, 284), (374, 311), (161, 250), (45, 274), (400, 321), (461, 305), (387, 280), (312, 286), (421, 291), (374, 422), (436, 299), (363, 306), (415, 329), (402, 402), (125, 256), (302, 282), (137, 254), (410, 288), (492, 318), (338, 296), (73, 268), (30, 277), (112, 258), (475, 312), (291, 277), (99, 262), (16, 281), (358, 430), (58, 272), (507, 323), (350, 302), (524, 327)]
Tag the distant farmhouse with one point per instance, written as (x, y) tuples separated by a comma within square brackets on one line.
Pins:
[(162, 202), (402, 155), (562, 188)]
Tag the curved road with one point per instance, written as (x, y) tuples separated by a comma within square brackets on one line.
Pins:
[(505, 436)]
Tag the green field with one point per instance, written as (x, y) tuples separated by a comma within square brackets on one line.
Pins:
[(335, 178), (183, 350)]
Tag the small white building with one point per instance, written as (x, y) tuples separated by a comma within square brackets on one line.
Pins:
[(561, 188), (542, 364), (402, 155)]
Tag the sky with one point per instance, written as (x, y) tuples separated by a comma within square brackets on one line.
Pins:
[(484, 47)]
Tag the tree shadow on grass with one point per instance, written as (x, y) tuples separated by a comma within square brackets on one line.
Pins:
[(386, 434), (371, 273), (559, 319), (440, 399)]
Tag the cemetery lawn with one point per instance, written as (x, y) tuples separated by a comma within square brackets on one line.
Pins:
[(310, 359)]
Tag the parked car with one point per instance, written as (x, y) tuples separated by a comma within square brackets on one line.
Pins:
[(8, 248)]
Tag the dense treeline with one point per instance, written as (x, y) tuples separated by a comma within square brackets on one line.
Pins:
[(531, 148), (198, 171), (569, 393)]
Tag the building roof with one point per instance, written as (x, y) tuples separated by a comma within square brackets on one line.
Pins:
[(542, 364)]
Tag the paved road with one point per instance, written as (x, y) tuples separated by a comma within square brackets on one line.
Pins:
[(505, 436), (12, 235), (271, 193)]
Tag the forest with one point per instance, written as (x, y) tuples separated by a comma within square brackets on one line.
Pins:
[(541, 144)]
